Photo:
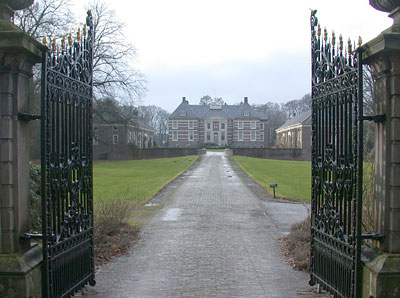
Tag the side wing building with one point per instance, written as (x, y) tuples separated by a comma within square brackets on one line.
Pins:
[(221, 125)]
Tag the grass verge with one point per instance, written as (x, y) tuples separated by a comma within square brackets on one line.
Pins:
[(293, 177), (136, 180)]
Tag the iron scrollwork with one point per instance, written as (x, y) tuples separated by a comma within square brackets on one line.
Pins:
[(336, 163), (67, 95)]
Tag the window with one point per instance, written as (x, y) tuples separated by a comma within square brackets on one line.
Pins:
[(191, 124), (191, 135), (115, 128), (115, 139), (215, 126), (175, 124), (222, 125), (262, 136), (183, 113), (240, 135), (95, 128), (208, 125), (175, 135), (252, 135), (298, 143), (246, 113), (261, 126), (95, 140), (240, 124), (253, 125), (208, 136), (223, 137)]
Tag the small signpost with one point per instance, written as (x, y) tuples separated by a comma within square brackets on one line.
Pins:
[(273, 186)]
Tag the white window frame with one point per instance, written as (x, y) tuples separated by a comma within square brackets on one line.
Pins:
[(182, 113), (261, 126), (240, 125), (95, 140), (115, 128), (174, 124), (115, 139), (253, 125), (223, 136), (175, 135), (240, 135), (253, 136), (208, 136), (223, 126), (191, 134), (262, 136), (208, 125), (191, 124), (246, 113)]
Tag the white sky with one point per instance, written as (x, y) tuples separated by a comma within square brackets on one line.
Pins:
[(233, 48)]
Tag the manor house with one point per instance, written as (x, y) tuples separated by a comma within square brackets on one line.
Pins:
[(223, 125)]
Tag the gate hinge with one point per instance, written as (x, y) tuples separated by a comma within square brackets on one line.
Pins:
[(31, 235), (372, 236), (376, 118), (28, 117)]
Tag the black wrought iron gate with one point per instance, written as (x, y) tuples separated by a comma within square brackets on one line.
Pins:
[(67, 91), (336, 163)]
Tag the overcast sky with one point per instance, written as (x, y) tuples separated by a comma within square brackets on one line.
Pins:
[(234, 48)]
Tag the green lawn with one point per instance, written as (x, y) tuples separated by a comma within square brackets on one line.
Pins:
[(136, 180), (293, 177)]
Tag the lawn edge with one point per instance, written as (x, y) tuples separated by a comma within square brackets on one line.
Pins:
[(173, 179), (265, 187)]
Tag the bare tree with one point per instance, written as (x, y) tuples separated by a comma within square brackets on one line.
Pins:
[(157, 118), (369, 91), (45, 17), (208, 100), (276, 116), (114, 74), (298, 106)]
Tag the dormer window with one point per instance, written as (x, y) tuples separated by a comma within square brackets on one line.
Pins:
[(183, 113), (246, 113)]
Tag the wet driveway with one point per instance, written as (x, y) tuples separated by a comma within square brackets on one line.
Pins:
[(216, 236)]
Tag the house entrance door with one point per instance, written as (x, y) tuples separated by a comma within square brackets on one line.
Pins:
[(216, 141)]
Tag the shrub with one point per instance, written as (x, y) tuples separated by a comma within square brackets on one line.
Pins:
[(296, 246), (113, 235), (35, 199)]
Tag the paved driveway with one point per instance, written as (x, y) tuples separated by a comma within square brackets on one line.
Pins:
[(216, 236)]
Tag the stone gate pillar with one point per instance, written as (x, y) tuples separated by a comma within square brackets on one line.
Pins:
[(381, 272), (20, 274)]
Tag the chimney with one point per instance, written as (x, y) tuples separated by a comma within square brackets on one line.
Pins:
[(183, 99), (246, 100)]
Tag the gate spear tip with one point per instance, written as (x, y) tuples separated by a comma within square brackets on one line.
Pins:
[(53, 44), (70, 39)]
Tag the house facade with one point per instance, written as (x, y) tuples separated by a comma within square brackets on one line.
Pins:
[(222, 125), (115, 141), (295, 133)]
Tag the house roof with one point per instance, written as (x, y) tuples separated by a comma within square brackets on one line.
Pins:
[(224, 111), (303, 118)]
